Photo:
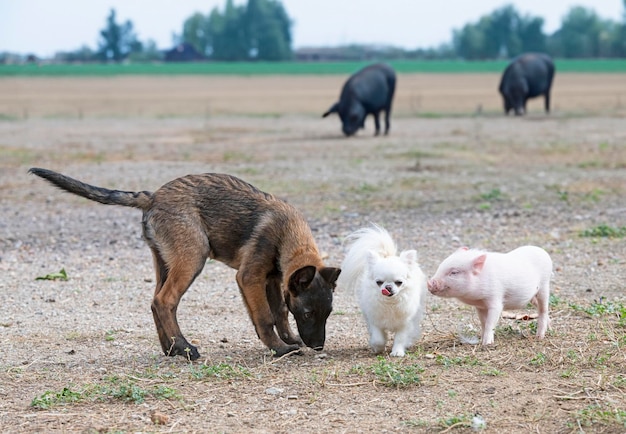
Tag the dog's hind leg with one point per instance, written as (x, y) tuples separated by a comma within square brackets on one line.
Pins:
[(280, 311), (252, 284), (542, 301), (177, 261), (180, 275), (161, 275)]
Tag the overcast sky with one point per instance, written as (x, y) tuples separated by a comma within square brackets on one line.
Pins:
[(44, 27)]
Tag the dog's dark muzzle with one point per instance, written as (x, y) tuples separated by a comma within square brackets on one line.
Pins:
[(315, 340), (316, 344)]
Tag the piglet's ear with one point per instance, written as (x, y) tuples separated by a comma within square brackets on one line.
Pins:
[(478, 264), (464, 248)]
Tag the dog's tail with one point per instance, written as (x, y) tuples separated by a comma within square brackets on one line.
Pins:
[(360, 243), (141, 199)]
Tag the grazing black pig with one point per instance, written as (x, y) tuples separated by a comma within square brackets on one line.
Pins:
[(527, 76), (368, 91)]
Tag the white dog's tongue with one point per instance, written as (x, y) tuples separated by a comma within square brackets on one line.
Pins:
[(386, 292)]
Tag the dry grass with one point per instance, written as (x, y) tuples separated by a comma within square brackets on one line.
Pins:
[(82, 355), (428, 95)]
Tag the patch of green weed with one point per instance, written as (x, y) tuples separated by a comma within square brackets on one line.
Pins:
[(221, 370), (595, 415), (605, 231), (539, 359), (492, 372), (123, 389), (456, 361), (455, 421), (395, 374), (493, 195), (61, 275), (50, 398), (603, 307)]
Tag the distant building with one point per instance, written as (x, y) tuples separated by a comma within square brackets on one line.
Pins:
[(321, 54), (183, 52), (348, 52)]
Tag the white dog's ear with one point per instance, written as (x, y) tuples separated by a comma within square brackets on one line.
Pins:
[(409, 256), (372, 258)]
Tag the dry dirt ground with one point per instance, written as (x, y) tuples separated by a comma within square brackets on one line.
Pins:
[(82, 355)]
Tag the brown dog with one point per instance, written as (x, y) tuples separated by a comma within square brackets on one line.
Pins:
[(197, 217)]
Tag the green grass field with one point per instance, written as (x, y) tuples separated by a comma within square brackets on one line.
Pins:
[(294, 68)]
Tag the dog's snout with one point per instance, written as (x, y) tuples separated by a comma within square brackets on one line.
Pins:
[(388, 287)]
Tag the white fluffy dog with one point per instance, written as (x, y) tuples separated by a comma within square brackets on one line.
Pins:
[(390, 288)]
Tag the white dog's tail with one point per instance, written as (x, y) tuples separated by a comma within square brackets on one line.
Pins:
[(360, 243)]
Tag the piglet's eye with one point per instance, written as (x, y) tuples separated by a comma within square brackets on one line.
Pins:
[(454, 272)]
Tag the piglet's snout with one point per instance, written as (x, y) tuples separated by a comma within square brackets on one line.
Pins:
[(433, 285)]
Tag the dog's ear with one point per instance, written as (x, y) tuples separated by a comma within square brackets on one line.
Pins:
[(372, 257), (333, 109), (409, 256), (301, 279), (330, 275)]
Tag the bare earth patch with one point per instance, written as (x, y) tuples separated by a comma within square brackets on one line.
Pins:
[(82, 355)]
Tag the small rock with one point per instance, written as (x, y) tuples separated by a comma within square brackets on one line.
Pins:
[(159, 418), (478, 423), (273, 391)]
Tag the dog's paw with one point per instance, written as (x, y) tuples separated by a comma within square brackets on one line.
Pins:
[(378, 349), (293, 340), (287, 349), (184, 349), (398, 352)]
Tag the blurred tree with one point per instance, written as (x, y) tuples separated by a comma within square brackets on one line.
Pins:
[(117, 41), (83, 54), (197, 32), (469, 42), (503, 33), (229, 34), (502, 38), (259, 30), (619, 37), (149, 53), (268, 29), (580, 34), (531, 34)]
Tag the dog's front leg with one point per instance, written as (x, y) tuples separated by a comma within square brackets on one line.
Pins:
[(254, 294), (378, 339), (280, 311)]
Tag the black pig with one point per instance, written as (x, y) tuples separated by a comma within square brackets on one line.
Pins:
[(368, 91), (527, 76)]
